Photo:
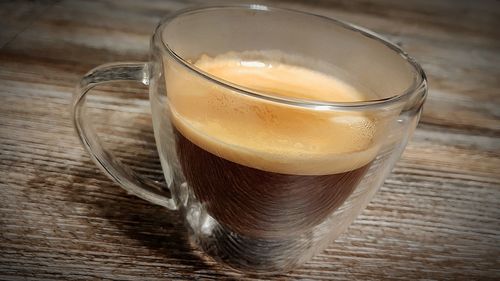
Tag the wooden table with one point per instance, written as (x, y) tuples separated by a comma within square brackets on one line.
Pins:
[(436, 217)]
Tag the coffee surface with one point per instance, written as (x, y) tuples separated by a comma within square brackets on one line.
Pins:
[(266, 135), (260, 168)]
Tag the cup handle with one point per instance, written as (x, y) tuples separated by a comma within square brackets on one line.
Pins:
[(144, 188)]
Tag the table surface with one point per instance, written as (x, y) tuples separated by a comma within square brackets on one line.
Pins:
[(436, 217)]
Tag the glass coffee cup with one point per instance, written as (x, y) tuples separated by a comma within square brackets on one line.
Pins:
[(265, 175)]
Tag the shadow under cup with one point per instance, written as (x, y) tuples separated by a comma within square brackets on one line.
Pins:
[(249, 217)]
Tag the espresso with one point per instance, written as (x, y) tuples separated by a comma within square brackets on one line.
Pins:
[(267, 169)]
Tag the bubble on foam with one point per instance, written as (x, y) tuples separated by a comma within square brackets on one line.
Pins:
[(254, 63), (298, 145)]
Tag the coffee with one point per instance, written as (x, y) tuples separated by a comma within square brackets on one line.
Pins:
[(267, 169)]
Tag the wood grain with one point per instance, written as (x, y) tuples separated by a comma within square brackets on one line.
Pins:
[(436, 217)]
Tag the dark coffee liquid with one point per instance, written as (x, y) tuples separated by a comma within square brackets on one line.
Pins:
[(259, 203)]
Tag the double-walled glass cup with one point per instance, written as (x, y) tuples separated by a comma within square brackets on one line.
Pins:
[(255, 213)]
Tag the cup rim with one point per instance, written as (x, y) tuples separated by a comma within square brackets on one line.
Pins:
[(418, 85)]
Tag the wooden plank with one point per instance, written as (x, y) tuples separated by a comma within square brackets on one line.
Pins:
[(17, 17)]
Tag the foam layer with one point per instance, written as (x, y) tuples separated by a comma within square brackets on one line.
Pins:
[(265, 135), (267, 74)]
